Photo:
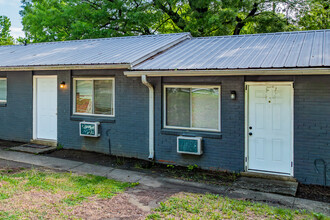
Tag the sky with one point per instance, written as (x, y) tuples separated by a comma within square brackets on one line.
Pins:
[(11, 8)]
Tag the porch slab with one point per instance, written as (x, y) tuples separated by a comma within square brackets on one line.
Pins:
[(34, 148), (267, 185)]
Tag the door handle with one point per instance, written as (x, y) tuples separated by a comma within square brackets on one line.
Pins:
[(250, 133)]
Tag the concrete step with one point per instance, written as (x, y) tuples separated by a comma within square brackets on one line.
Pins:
[(51, 143), (34, 148), (268, 176)]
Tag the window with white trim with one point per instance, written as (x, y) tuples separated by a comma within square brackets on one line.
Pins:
[(3, 90), (94, 96), (192, 107)]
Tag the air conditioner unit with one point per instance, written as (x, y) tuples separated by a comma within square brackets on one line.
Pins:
[(189, 145), (89, 129)]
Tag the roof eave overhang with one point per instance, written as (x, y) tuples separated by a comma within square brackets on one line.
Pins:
[(237, 72), (66, 67)]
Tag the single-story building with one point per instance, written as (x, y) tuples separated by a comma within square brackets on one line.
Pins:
[(250, 103)]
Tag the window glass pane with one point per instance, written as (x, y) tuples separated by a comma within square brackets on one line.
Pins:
[(3, 90), (205, 108), (103, 97), (178, 107), (84, 93)]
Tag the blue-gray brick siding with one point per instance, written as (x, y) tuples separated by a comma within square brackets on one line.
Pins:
[(127, 133), (219, 153), (312, 127), (16, 116)]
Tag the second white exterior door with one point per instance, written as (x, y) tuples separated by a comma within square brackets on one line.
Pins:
[(269, 127), (45, 105)]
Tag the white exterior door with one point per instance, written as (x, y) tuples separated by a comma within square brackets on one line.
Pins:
[(45, 107), (270, 127)]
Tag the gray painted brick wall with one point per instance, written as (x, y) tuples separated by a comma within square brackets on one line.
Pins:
[(127, 133), (312, 127), (226, 153), (16, 116)]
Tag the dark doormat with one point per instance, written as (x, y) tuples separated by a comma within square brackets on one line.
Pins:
[(33, 148), (267, 185)]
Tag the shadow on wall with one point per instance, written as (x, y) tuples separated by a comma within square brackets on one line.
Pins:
[(323, 168)]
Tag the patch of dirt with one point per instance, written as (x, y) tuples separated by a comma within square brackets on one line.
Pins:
[(11, 167), (179, 172), (314, 192), (3, 183), (8, 144), (118, 207), (11, 170), (34, 203), (135, 203)]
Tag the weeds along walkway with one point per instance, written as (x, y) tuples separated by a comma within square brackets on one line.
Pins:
[(157, 182)]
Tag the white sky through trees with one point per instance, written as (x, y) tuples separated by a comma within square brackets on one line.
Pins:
[(11, 8)]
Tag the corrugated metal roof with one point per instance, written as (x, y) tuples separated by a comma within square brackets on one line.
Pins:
[(119, 50), (275, 50)]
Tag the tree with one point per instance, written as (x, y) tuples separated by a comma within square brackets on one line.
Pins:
[(56, 20), (226, 17), (315, 15), (5, 38)]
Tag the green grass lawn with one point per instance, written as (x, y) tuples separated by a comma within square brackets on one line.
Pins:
[(209, 206), (45, 194), (40, 194)]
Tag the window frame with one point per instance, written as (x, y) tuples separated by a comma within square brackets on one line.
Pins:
[(191, 87), (4, 101), (93, 79)]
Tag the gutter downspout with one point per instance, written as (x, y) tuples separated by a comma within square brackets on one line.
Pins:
[(151, 117)]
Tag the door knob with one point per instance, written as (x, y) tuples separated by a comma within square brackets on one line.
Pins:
[(250, 133)]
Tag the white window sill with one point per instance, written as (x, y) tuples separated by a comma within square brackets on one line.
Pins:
[(92, 118), (182, 132)]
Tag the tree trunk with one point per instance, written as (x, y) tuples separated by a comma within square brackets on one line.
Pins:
[(240, 23)]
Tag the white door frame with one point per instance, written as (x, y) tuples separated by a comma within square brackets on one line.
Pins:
[(34, 135), (246, 130)]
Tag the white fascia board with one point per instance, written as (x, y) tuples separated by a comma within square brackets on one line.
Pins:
[(65, 67), (246, 72)]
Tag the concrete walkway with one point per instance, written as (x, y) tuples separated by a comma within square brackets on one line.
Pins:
[(156, 182)]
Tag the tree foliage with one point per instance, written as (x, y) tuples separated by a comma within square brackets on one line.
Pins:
[(5, 37), (315, 15), (55, 20)]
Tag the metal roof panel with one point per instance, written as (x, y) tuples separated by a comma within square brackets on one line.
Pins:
[(326, 51), (120, 50), (273, 50)]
